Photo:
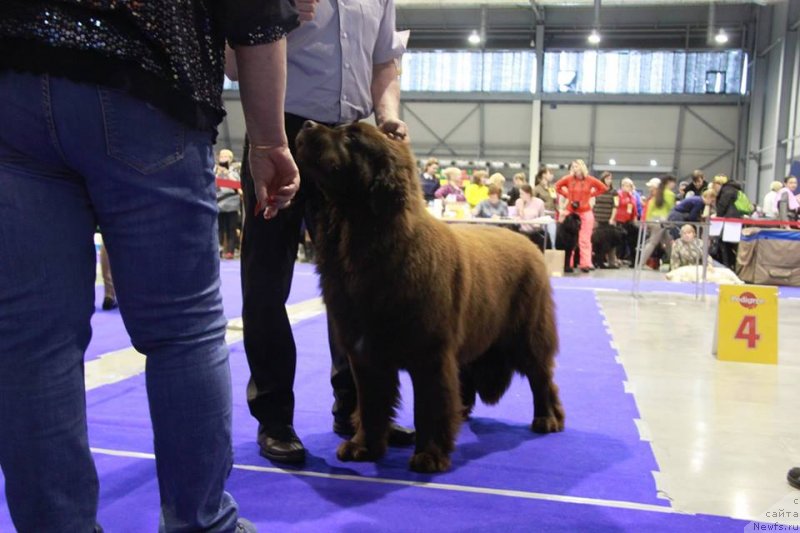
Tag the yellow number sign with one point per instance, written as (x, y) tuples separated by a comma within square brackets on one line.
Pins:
[(747, 324)]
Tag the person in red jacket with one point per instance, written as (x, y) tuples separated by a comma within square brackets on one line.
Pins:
[(578, 187)]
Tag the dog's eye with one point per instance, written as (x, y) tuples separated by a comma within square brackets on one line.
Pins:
[(350, 138)]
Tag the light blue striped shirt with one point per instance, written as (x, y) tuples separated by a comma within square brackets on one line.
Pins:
[(330, 59)]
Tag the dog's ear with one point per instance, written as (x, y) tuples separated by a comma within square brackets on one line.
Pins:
[(386, 191)]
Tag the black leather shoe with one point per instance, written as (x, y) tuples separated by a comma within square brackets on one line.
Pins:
[(793, 477), (399, 436), (281, 445)]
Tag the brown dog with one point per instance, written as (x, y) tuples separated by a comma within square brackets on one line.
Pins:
[(407, 291)]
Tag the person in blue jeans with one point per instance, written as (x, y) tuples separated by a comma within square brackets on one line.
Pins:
[(108, 118)]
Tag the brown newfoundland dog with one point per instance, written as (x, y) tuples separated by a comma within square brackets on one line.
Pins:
[(407, 291)]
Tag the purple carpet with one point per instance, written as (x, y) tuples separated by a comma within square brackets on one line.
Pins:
[(598, 456)]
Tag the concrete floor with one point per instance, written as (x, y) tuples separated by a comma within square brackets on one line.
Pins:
[(724, 434)]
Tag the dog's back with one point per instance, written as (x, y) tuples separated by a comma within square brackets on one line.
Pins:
[(507, 286)]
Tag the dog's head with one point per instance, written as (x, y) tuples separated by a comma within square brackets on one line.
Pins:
[(357, 165)]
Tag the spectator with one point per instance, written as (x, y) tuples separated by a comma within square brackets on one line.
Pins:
[(451, 191), (342, 66), (476, 190), (109, 294), (528, 208), (493, 206), (605, 203), (727, 194), (698, 184), (229, 201), (687, 250), (126, 141), (787, 204), (499, 181), (652, 186), (692, 209), (626, 215), (429, 179), (578, 187), (658, 209), (682, 190), (519, 180), (544, 190), (769, 206)]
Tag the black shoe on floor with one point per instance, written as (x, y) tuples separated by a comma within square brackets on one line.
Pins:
[(399, 436), (281, 445), (793, 477), (586, 270), (109, 303)]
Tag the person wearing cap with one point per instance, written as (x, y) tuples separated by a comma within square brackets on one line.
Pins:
[(659, 207), (652, 186), (578, 187)]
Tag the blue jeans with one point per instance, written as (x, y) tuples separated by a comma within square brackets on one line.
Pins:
[(73, 156)]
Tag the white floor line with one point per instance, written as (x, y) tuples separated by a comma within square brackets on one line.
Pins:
[(120, 365), (596, 502)]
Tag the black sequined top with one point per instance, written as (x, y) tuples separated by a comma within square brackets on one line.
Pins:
[(168, 52)]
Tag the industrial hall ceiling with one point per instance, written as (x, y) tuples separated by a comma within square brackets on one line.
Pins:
[(656, 24)]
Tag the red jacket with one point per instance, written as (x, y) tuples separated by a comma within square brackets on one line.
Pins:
[(581, 191), (626, 208)]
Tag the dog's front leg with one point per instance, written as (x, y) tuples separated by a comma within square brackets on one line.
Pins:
[(437, 412), (377, 397)]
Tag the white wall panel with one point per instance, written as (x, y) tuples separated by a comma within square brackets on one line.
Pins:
[(508, 129), (632, 134)]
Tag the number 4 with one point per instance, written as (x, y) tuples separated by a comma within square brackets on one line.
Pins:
[(747, 331)]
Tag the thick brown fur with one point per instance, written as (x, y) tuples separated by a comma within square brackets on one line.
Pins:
[(407, 291)]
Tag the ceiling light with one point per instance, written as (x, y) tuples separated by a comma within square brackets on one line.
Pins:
[(474, 38), (721, 37), (612, 162), (594, 37), (653, 163)]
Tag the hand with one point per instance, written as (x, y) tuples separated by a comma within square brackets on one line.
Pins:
[(275, 178), (306, 8), (395, 129), (612, 222)]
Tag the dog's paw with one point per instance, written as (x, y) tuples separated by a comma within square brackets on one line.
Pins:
[(352, 451), (428, 463), (547, 424)]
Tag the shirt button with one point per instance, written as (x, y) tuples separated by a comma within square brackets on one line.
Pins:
[(347, 65), (344, 98), (344, 35)]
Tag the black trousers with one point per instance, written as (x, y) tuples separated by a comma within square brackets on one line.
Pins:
[(228, 223), (269, 250)]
